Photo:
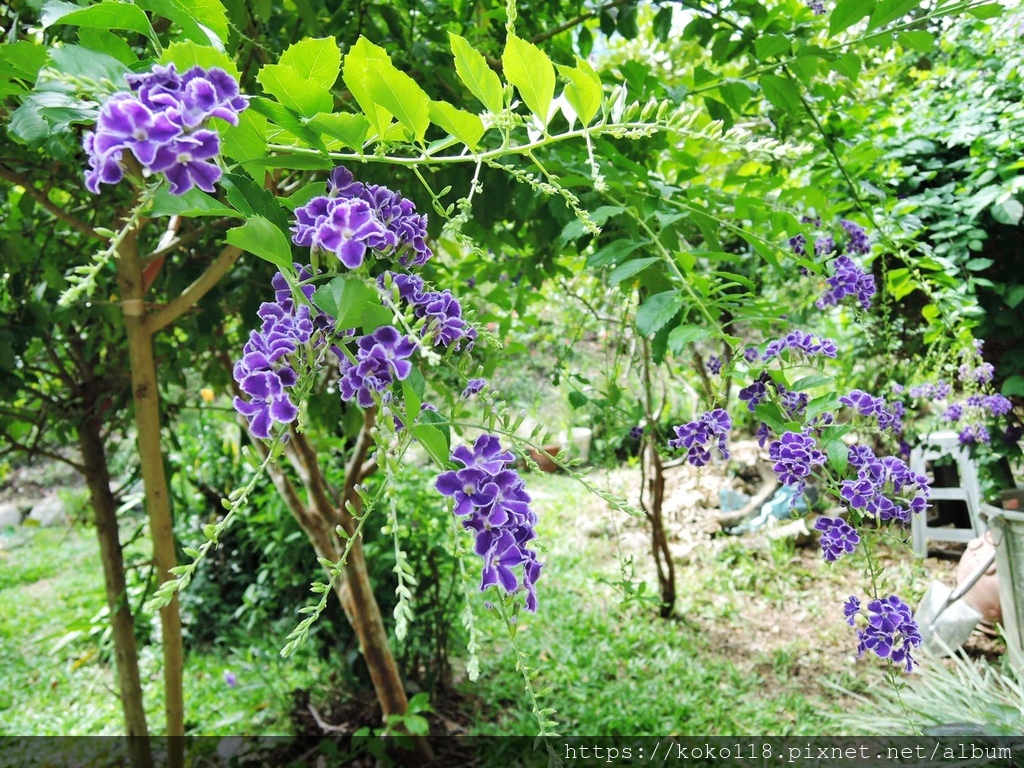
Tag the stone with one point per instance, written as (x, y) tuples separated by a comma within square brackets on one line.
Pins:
[(10, 514), (49, 512)]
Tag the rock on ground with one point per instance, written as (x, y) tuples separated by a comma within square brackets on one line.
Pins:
[(49, 512)]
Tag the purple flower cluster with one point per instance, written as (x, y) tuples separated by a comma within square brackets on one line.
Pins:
[(795, 455), (938, 391), (838, 537), (884, 488), (997, 405), (973, 434), (751, 355), (799, 244), (440, 310), (265, 372), (695, 436), (817, 7), (847, 279), (889, 416), (163, 125), (889, 629), (354, 217), (857, 241), (381, 358), (824, 245), (492, 499), (636, 432), (983, 374), (714, 365), (799, 341)]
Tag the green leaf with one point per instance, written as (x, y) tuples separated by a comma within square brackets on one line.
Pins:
[(464, 126), (977, 265), (204, 21), (291, 90), (24, 58), (657, 310), (1008, 212), (583, 91), (412, 393), (375, 316), (683, 335), (107, 42), (614, 253), (93, 65), (782, 92), (252, 200), (381, 84), (810, 382), (362, 56), (186, 54), (290, 122), (433, 440), (662, 24), (1014, 296), (1013, 386), (348, 128), (262, 238), (472, 69), (987, 11), (193, 203), (530, 70), (345, 298), (768, 46), (247, 140), (630, 268), (317, 60), (838, 455), (890, 10), (917, 39), (577, 399), (102, 16), (846, 13)]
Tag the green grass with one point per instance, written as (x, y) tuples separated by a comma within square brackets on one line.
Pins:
[(52, 586), (615, 669)]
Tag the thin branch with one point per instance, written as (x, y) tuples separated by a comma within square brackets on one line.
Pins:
[(355, 462), (576, 21), (37, 451), (22, 181), (171, 311)]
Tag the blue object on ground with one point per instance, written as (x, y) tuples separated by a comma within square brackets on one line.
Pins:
[(779, 507)]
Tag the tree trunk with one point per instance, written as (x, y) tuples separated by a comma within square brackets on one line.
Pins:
[(122, 623), (146, 397)]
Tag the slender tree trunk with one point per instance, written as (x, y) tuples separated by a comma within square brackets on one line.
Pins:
[(122, 623), (146, 397)]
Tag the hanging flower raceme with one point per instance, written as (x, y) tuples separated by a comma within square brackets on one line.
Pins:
[(382, 358), (354, 217), (838, 537), (696, 436), (798, 341), (492, 500), (795, 455), (848, 279), (164, 125), (441, 311), (884, 488), (887, 629)]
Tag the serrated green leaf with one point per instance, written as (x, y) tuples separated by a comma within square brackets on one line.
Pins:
[(24, 59), (315, 59), (252, 200), (293, 91), (361, 57), (530, 70), (630, 268), (917, 39), (846, 13), (472, 69), (583, 91), (192, 204), (345, 298), (464, 126), (204, 21), (289, 121), (782, 92), (682, 336), (247, 140), (348, 128), (383, 85), (614, 253), (102, 16), (186, 54), (890, 10), (262, 238), (657, 311)]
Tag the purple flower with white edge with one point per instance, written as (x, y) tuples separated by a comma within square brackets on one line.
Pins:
[(799, 244), (751, 355), (798, 341), (757, 391), (695, 436), (973, 434), (187, 162), (884, 488), (847, 279), (851, 608), (838, 537), (890, 631), (347, 231), (492, 500), (824, 245), (714, 365), (381, 358), (953, 413), (473, 386), (795, 455), (862, 402)]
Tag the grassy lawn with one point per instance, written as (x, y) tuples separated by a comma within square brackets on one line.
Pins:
[(747, 652)]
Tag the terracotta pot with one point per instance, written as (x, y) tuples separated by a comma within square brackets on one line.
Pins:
[(543, 459), (983, 596)]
